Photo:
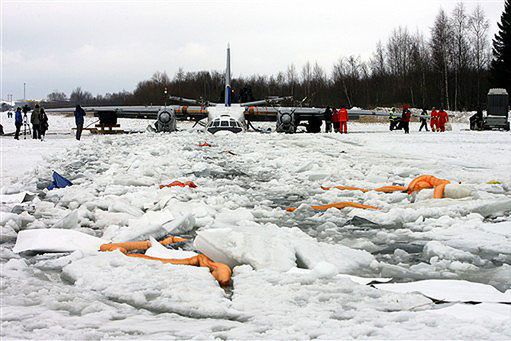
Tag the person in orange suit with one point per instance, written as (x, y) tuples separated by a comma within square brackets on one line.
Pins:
[(343, 120), (335, 120), (443, 118), (434, 119)]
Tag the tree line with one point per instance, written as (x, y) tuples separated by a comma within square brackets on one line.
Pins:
[(450, 67)]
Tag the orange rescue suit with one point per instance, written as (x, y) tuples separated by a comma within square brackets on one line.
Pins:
[(335, 116), (343, 121), (417, 184), (343, 115), (443, 118), (434, 120), (428, 181)]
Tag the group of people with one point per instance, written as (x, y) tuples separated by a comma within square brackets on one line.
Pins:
[(438, 119), (338, 118), (38, 119)]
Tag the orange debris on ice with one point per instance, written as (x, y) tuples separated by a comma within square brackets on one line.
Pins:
[(221, 272), (346, 188), (180, 184), (390, 189), (384, 189), (338, 205), (417, 184), (428, 181)]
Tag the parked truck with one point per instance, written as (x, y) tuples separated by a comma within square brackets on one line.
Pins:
[(497, 112)]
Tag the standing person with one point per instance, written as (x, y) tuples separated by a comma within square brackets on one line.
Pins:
[(43, 125), (405, 119), (18, 121), (79, 119), (35, 120), (335, 120), (434, 119), (343, 120), (327, 115), (424, 120), (443, 118)]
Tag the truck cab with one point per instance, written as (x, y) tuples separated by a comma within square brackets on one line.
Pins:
[(497, 112)]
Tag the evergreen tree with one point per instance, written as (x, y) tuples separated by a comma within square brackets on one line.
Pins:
[(501, 64)]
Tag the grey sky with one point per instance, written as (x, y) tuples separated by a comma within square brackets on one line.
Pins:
[(108, 46)]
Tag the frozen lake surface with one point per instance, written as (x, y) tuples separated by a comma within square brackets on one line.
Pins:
[(245, 183)]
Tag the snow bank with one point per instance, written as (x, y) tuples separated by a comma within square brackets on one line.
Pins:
[(152, 285), (270, 247), (450, 291), (484, 311), (56, 240)]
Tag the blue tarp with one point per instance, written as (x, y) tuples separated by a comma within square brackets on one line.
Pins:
[(59, 181)]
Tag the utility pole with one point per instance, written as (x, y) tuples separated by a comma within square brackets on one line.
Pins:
[(24, 91)]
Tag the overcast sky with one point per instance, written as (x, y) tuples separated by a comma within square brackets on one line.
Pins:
[(108, 46)]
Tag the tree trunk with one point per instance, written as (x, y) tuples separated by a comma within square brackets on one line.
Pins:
[(346, 92), (423, 89), (446, 85), (456, 91)]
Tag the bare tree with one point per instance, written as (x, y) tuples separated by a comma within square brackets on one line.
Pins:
[(319, 83), (399, 47), (378, 61), (57, 96), (292, 78), (79, 96), (307, 77), (419, 69), (440, 44), (340, 75), (478, 28), (459, 27)]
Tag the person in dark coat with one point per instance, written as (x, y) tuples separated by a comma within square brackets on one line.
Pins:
[(36, 122), (405, 119), (424, 120), (327, 115), (79, 119), (43, 118), (18, 122)]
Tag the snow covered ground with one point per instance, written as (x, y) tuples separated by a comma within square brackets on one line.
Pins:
[(245, 182)]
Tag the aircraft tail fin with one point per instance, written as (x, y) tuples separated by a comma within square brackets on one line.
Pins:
[(228, 78)]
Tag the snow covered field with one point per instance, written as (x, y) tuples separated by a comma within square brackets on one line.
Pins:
[(288, 279)]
